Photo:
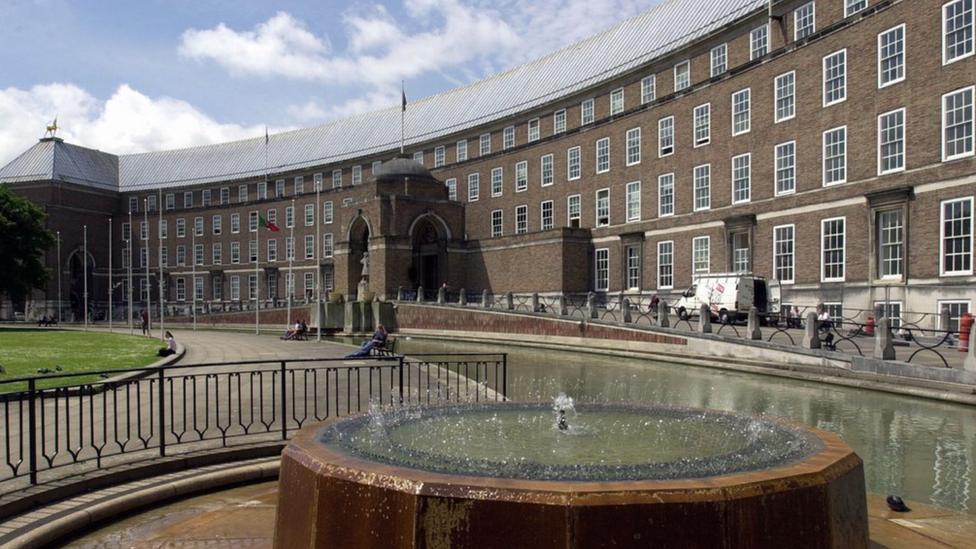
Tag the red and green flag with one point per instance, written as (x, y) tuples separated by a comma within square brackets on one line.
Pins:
[(264, 223)]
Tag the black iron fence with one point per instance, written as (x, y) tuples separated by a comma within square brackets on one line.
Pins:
[(142, 413)]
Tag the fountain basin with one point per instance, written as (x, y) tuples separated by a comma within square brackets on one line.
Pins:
[(338, 490)]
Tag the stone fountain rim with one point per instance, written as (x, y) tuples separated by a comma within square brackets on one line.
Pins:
[(833, 460)]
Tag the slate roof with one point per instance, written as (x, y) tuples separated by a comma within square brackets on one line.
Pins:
[(53, 159), (636, 41)]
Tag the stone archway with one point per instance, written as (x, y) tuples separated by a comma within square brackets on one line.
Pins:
[(359, 234), (429, 243), (75, 267)]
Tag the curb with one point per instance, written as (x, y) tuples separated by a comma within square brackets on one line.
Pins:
[(87, 510)]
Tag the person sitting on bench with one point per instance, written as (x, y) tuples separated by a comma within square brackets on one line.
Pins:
[(293, 333), (378, 341)]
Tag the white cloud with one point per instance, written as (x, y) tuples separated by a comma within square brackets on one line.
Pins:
[(128, 122)]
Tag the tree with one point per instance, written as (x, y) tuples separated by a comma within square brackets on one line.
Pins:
[(23, 241)]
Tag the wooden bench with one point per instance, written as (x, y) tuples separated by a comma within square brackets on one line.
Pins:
[(387, 350)]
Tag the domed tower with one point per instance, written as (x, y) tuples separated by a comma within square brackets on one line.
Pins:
[(406, 226)]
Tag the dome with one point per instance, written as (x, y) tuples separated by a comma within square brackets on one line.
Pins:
[(403, 167)]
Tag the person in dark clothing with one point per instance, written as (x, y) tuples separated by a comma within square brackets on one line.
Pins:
[(379, 340)]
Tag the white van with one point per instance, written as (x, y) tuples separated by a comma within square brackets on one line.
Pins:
[(730, 296)]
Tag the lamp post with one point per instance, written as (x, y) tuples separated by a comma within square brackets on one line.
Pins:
[(59, 281)]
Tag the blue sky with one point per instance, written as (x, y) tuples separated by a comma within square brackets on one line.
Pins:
[(133, 76)]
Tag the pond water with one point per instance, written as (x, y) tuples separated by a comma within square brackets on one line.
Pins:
[(916, 448)]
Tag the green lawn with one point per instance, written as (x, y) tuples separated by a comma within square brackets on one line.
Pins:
[(25, 351)]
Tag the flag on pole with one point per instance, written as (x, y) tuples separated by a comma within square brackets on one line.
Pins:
[(264, 223), (266, 135), (403, 105)]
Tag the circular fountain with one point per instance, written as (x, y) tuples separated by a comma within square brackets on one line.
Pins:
[(528, 475)]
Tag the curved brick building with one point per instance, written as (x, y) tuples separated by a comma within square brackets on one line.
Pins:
[(826, 144)]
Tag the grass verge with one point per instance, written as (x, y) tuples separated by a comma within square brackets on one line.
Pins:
[(24, 352)]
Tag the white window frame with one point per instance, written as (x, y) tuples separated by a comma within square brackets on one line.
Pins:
[(784, 91), (632, 256), (616, 101), (823, 251), (547, 170), (682, 76), (901, 130), (439, 156), (328, 245), (357, 175), (484, 144), (521, 176), (742, 112), (945, 57), (521, 219), (665, 136), (971, 108), (336, 179), (881, 231), (702, 187), (779, 169), (574, 163), (796, 20), (328, 212), (702, 119), (508, 137), (665, 249), (858, 5), (460, 151), (842, 76), (602, 205), (701, 245), (952, 319), (942, 238), (882, 83), (665, 181), (736, 180), (633, 140), (497, 223), (602, 150), (759, 35), (633, 199), (648, 89), (497, 181), (570, 213), (474, 187), (559, 121), (587, 112), (534, 130), (720, 59), (418, 157), (791, 254), (601, 270), (451, 188), (825, 157), (546, 222)]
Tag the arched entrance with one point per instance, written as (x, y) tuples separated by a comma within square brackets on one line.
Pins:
[(358, 247), (429, 240), (76, 283)]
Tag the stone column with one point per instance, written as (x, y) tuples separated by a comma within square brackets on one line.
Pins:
[(563, 310), (463, 299), (591, 304), (753, 329), (509, 301), (662, 314), (884, 347), (535, 303), (625, 304), (441, 295), (811, 334), (705, 319), (399, 293), (420, 294)]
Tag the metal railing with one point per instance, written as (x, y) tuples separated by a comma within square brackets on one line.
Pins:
[(147, 412)]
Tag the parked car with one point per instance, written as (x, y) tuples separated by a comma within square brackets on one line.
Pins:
[(729, 296)]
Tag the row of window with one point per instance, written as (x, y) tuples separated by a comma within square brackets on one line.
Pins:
[(957, 142), (217, 286), (955, 242), (223, 194), (217, 249), (235, 222)]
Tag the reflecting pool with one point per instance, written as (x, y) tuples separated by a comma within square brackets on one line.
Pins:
[(919, 449)]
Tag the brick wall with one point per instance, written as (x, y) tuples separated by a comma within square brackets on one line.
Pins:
[(425, 317)]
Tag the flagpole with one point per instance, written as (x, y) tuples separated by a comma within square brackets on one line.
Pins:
[(86, 276), (193, 275), (318, 264), (403, 113), (111, 278), (162, 294), (59, 281), (129, 245), (257, 274), (291, 257), (145, 217)]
